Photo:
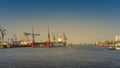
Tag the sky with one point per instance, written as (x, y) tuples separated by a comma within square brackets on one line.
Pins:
[(82, 20)]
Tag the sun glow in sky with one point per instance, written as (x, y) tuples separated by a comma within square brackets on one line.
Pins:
[(81, 20)]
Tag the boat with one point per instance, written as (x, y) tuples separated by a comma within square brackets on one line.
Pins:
[(117, 46), (59, 42), (111, 48)]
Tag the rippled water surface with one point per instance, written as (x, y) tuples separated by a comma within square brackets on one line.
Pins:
[(60, 57)]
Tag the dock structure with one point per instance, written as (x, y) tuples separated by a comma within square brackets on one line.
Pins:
[(56, 42)]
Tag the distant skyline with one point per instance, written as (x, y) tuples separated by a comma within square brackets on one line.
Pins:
[(81, 20)]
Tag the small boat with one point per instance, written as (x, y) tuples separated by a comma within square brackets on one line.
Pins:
[(117, 47), (111, 48)]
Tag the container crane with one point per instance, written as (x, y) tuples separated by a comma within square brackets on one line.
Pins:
[(3, 33), (27, 37), (33, 36)]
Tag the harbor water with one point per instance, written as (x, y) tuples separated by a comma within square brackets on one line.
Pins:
[(77, 56)]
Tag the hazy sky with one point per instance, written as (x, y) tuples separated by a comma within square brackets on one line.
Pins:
[(81, 20)]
